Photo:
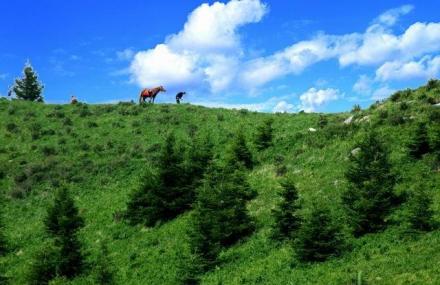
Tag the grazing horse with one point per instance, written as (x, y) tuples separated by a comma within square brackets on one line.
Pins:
[(150, 94)]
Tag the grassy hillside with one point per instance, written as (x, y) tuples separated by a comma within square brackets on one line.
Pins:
[(102, 151)]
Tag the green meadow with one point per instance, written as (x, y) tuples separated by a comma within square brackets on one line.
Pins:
[(102, 153)]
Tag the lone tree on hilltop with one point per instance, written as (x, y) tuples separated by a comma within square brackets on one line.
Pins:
[(28, 87), (369, 197)]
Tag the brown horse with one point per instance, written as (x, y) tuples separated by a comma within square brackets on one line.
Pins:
[(150, 94)]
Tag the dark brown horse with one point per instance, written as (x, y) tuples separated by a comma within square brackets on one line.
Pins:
[(150, 94)]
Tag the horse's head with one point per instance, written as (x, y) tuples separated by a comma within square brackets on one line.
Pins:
[(162, 89)]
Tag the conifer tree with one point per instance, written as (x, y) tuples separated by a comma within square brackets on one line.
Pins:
[(45, 265), (264, 135), (435, 142), (419, 144), (163, 196), (239, 151), (3, 277), (322, 121), (28, 87), (420, 213), (369, 197), (287, 220), (199, 158), (319, 238), (145, 206), (220, 217), (3, 243), (104, 271), (63, 223)]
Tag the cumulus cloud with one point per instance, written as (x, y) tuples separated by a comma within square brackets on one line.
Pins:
[(207, 50), (283, 107), (214, 27), (425, 68), (296, 58), (162, 65), (126, 54), (382, 93), (208, 53), (379, 45), (363, 85), (313, 98), (275, 104), (391, 16)]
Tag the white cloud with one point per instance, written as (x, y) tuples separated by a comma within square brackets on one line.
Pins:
[(296, 58), (363, 85), (3, 76), (314, 98), (283, 107), (382, 93), (259, 107), (163, 66), (207, 50), (379, 45), (126, 54), (75, 57), (427, 67), (214, 27), (272, 104), (391, 16)]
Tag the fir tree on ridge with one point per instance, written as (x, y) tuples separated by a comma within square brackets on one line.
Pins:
[(28, 87)]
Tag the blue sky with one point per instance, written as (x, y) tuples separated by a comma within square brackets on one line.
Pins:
[(317, 55)]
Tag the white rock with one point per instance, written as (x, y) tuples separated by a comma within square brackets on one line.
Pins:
[(355, 151), (364, 119), (349, 120)]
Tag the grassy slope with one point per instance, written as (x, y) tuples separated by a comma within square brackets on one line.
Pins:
[(102, 163)]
